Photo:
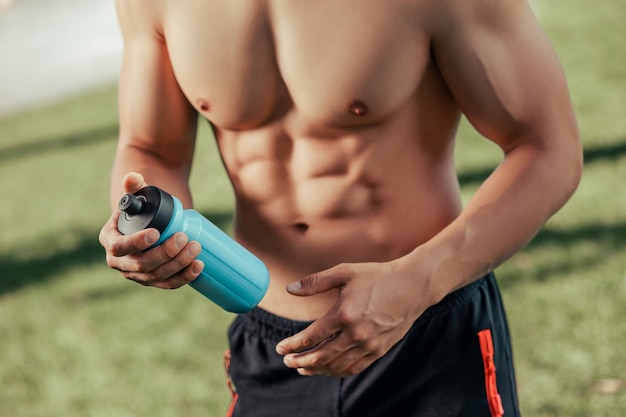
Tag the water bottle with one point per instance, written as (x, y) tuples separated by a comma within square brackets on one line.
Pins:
[(232, 277)]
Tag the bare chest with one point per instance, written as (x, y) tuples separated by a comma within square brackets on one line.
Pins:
[(339, 63)]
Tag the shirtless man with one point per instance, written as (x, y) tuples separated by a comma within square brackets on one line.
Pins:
[(336, 122)]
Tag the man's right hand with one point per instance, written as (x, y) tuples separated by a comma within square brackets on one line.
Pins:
[(170, 265)]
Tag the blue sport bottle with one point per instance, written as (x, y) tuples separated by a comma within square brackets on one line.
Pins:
[(232, 277)]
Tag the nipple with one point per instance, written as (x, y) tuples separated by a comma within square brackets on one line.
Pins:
[(358, 108), (203, 104)]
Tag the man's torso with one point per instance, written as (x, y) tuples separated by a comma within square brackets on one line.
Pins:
[(334, 125)]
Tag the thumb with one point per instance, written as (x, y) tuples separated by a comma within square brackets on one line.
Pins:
[(319, 282), (133, 181)]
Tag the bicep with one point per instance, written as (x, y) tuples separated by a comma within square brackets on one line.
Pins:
[(505, 75), (154, 113)]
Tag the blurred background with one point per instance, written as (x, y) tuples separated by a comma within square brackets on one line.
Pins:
[(77, 340), (52, 49)]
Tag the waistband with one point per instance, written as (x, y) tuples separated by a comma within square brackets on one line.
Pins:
[(269, 325), (458, 298)]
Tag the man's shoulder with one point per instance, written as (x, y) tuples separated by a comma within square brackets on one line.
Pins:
[(453, 16)]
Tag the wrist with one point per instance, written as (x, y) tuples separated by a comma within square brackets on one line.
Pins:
[(421, 269)]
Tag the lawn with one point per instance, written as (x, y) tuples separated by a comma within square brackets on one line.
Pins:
[(79, 341)]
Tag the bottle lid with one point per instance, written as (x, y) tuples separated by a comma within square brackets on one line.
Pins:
[(150, 207)]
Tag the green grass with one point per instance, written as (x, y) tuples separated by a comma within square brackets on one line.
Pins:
[(76, 340)]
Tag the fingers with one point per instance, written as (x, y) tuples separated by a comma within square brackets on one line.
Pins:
[(337, 356), (118, 245), (349, 337), (318, 332), (312, 349), (350, 362), (332, 278), (176, 280), (170, 265), (133, 181)]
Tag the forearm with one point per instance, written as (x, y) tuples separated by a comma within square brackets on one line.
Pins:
[(155, 169), (502, 217), (172, 263), (157, 123)]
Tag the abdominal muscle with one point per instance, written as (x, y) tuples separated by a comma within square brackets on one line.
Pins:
[(307, 202)]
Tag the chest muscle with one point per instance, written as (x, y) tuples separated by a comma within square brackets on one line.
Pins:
[(246, 63)]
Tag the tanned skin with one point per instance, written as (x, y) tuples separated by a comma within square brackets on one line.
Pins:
[(336, 122)]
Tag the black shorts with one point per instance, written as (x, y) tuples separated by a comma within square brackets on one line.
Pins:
[(455, 360)]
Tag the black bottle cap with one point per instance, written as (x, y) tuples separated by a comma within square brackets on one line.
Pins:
[(149, 207)]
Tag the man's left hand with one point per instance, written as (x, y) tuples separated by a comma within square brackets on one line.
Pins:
[(377, 305)]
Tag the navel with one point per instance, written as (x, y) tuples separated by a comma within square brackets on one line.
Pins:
[(358, 108), (301, 227), (203, 105)]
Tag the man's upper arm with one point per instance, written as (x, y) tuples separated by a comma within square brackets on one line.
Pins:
[(154, 113), (503, 72)]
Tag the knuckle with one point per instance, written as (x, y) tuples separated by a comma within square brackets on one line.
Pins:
[(130, 276), (304, 341), (182, 260), (345, 318), (137, 266), (175, 281), (145, 279), (316, 361), (166, 273), (187, 275), (108, 244), (372, 348), (115, 249), (110, 260), (359, 333), (377, 351), (158, 275), (311, 281), (151, 277), (359, 336), (344, 269), (170, 250)]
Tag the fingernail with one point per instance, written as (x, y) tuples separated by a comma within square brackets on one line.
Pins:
[(180, 241), (280, 350), (194, 249), (152, 237), (294, 286), (287, 362), (197, 267)]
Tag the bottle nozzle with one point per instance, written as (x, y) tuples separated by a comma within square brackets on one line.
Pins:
[(132, 204), (148, 207)]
